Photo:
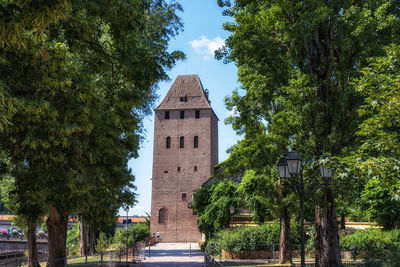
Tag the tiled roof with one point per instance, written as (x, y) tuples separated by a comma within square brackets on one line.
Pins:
[(188, 87)]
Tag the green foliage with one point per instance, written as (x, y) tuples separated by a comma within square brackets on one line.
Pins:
[(73, 241), (260, 192), (379, 204), (212, 203), (246, 239), (296, 63), (81, 76), (374, 246), (137, 232), (102, 243)]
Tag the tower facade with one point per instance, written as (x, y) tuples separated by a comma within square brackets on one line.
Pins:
[(185, 151)]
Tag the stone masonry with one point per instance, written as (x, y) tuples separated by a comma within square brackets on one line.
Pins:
[(185, 151)]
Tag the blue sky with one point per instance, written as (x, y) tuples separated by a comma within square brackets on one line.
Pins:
[(202, 34)]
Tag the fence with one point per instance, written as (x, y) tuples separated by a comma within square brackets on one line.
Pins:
[(269, 253), (210, 261), (110, 258)]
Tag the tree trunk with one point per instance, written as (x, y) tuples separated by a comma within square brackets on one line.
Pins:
[(327, 251), (57, 225), (32, 246), (285, 244), (83, 245), (92, 240), (342, 221)]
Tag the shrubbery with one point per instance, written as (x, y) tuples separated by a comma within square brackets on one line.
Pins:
[(374, 245), (137, 232), (247, 239), (73, 240)]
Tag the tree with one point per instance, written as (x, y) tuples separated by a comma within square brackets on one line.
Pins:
[(96, 68), (379, 153), (212, 204), (267, 197), (380, 205), (296, 61)]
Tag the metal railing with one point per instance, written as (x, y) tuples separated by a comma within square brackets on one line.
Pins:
[(209, 261), (132, 254)]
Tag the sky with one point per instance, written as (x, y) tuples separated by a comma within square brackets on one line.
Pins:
[(202, 34)]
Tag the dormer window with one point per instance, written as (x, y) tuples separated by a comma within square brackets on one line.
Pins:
[(183, 98)]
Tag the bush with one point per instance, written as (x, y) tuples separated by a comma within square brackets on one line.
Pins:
[(137, 232), (374, 246), (250, 238), (213, 247), (102, 243), (73, 240)]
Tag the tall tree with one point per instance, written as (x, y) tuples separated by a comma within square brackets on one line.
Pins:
[(97, 68), (296, 61)]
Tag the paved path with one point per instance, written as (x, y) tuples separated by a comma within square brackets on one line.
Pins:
[(173, 254)]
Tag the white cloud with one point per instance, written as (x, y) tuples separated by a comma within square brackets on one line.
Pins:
[(207, 47), (233, 111)]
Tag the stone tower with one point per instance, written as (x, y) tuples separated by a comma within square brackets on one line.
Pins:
[(185, 151)]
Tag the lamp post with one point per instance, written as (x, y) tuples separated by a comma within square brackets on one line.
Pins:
[(289, 168)]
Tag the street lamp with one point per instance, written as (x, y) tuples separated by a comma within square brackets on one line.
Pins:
[(289, 167)]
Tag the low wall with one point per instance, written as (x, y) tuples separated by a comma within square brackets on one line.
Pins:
[(267, 254)]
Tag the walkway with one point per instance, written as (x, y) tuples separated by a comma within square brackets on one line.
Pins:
[(173, 255)]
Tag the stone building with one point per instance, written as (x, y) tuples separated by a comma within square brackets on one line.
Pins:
[(185, 151)]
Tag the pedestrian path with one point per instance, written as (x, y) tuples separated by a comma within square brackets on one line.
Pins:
[(173, 254)]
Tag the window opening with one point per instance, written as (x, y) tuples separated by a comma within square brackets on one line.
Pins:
[(197, 114), (183, 196), (183, 98), (168, 142), (196, 142), (195, 168), (182, 114), (165, 171), (166, 115), (179, 169), (182, 142), (162, 215)]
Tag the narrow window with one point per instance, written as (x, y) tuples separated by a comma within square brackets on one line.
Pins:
[(195, 168), (182, 142), (182, 114), (166, 115), (196, 142), (162, 215), (168, 142), (197, 114), (183, 196), (179, 169)]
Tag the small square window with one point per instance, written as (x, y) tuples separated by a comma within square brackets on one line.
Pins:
[(179, 169), (182, 114), (197, 114), (166, 115), (195, 168), (183, 196)]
